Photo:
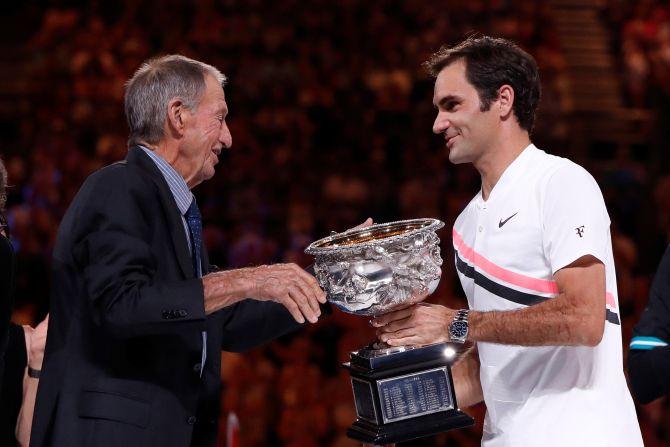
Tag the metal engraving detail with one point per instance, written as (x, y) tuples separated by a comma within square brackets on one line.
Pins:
[(372, 270), (416, 394)]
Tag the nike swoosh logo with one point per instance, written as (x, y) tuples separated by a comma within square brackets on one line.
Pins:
[(503, 222)]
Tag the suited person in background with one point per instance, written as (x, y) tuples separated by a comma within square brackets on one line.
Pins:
[(138, 316), (21, 348)]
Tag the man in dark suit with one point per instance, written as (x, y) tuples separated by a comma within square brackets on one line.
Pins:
[(138, 317)]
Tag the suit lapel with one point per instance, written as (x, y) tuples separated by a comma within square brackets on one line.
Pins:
[(137, 157)]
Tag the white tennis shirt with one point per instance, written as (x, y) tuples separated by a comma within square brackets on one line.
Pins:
[(544, 213)]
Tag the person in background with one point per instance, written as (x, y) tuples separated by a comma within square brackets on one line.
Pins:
[(649, 355), (21, 347)]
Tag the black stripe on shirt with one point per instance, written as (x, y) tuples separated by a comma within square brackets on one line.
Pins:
[(510, 294), (505, 292), (612, 317)]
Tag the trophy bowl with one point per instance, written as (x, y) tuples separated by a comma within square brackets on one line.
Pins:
[(372, 270)]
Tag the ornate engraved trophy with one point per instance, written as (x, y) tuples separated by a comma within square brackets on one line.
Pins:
[(400, 393)]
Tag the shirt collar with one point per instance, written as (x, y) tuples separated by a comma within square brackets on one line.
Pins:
[(182, 195), (512, 172)]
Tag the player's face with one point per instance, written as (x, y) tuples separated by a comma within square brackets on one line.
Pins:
[(206, 134), (467, 130)]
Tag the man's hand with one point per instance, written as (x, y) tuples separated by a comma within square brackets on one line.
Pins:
[(286, 284), (368, 222), (35, 343), (417, 325), (38, 341), (291, 286)]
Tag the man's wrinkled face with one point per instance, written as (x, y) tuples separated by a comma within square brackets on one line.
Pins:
[(206, 134), (467, 130)]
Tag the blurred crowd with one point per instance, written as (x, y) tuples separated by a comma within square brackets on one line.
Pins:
[(644, 33), (331, 117)]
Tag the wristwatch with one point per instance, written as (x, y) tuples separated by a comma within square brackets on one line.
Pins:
[(458, 329)]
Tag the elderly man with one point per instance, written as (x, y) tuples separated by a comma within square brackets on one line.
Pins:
[(138, 316), (534, 257)]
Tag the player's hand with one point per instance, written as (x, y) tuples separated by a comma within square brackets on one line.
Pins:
[(291, 286), (368, 222), (417, 325)]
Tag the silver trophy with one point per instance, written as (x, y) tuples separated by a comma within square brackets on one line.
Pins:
[(373, 270), (400, 393)]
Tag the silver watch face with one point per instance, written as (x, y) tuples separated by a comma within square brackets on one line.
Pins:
[(458, 329)]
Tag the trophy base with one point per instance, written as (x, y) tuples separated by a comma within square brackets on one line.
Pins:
[(402, 431), (403, 394)]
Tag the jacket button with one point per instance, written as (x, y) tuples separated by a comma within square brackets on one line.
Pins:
[(191, 420), (197, 367)]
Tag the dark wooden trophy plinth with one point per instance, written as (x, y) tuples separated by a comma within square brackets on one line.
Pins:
[(404, 394)]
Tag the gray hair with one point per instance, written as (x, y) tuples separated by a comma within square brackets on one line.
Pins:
[(3, 186), (154, 85)]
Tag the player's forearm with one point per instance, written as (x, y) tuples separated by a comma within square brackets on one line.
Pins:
[(553, 322), (466, 381)]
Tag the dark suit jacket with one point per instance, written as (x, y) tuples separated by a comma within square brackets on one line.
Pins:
[(12, 349), (6, 295), (124, 345), (11, 392)]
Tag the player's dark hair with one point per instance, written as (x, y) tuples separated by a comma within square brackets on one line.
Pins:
[(491, 63)]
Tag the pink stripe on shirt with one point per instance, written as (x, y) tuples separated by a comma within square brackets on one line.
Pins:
[(610, 301), (510, 277)]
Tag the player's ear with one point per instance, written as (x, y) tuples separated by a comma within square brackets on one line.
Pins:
[(505, 101)]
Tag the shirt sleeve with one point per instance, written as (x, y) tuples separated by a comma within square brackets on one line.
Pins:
[(575, 220), (653, 329), (649, 356)]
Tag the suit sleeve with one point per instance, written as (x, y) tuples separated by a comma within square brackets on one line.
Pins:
[(649, 356), (112, 247), (251, 323)]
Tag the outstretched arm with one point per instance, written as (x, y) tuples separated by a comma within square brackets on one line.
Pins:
[(575, 317)]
